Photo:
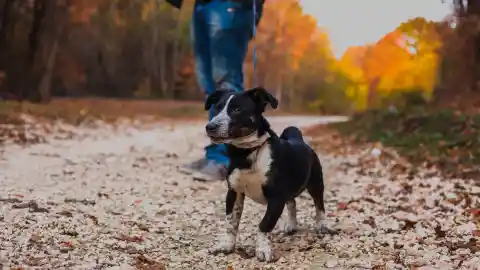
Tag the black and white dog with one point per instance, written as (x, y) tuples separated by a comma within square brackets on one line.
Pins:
[(270, 170)]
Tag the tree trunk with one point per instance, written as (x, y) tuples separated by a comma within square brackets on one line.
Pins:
[(163, 67), (5, 15), (45, 82), (40, 8), (177, 50)]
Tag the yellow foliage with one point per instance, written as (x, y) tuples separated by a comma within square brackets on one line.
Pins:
[(148, 7), (405, 59)]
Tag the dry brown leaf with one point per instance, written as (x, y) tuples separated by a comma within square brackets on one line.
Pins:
[(35, 238), (128, 238), (439, 233), (143, 262), (65, 213)]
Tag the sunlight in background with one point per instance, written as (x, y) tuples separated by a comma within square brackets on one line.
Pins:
[(359, 22)]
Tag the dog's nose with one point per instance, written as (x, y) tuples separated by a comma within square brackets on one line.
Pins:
[(211, 127)]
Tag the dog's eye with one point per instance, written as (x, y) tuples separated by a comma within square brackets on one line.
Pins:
[(236, 110)]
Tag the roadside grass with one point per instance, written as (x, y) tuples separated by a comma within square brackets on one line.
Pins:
[(447, 139)]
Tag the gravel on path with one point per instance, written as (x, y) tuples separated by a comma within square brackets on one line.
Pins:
[(112, 198)]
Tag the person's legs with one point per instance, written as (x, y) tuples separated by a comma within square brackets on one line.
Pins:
[(230, 27), (230, 31), (215, 159), (221, 31), (203, 63)]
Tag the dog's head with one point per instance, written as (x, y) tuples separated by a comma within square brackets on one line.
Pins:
[(238, 117)]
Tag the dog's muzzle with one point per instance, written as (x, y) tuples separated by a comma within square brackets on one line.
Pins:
[(212, 129), (217, 131)]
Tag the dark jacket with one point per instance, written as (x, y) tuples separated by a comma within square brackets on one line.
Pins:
[(260, 3), (178, 3), (175, 3)]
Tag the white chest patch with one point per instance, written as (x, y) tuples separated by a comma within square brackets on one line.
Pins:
[(251, 181)]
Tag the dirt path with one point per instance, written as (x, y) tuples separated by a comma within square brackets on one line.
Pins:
[(103, 199)]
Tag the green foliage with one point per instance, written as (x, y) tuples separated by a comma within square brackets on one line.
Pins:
[(401, 99), (331, 95)]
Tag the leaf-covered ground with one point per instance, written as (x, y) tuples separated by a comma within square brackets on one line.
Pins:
[(446, 139), (111, 197)]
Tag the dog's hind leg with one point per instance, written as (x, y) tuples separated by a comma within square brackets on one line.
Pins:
[(291, 223), (263, 250), (234, 209), (315, 188)]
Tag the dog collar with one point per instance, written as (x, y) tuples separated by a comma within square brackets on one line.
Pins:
[(251, 141)]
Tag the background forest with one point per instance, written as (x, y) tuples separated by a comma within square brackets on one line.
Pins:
[(142, 49)]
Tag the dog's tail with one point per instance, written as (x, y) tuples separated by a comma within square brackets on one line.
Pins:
[(292, 134)]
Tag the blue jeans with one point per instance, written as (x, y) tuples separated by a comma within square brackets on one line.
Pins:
[(221, 30)]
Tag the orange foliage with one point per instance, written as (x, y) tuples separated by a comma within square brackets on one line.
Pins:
[(80, 11), (404, 59), (386, 57)]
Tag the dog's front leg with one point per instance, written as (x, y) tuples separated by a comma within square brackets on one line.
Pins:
[(264, 250), (234, 209)]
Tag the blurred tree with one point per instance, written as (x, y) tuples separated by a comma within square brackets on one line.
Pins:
[(460, 57), (405, 59), (293, 54), (128, 48)]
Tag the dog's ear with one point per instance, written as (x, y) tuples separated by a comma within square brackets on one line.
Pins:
[(213, 98), (262, 97)]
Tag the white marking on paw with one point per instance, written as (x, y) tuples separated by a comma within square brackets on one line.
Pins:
[(291, 222), (290, 226), (263, 249), (225, 244), (321, 223)]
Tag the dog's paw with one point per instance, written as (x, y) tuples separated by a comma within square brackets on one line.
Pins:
[(225, 244), (290, 227), (263, 249), (324, 229)]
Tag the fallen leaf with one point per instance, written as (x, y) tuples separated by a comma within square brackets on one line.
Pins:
[(32, 261), (370, 221), (35, 238), (409, 224), (474, 211), (65, 213), (32, 205), (143, 262), (71, 233), (67, 243), (103, 195), (127, 238), (83, 201), (341, 206), (10, 200), (142, 227), (93, 218), (439, 233)]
